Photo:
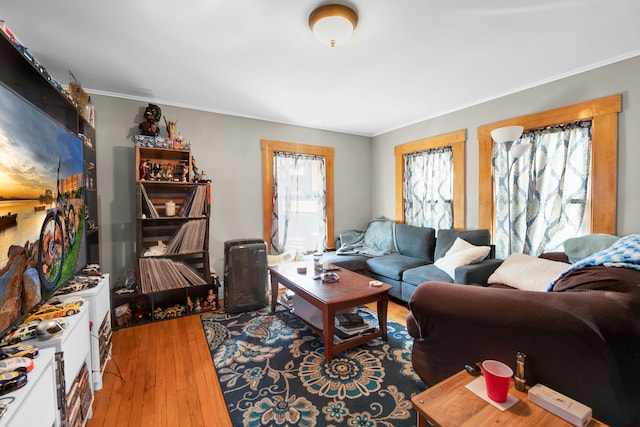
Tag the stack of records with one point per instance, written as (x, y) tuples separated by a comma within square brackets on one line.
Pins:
[(349, 320), (349, 325)]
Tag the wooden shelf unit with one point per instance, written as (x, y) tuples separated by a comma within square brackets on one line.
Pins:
[(164, 157), (182, 274), (88, 135)]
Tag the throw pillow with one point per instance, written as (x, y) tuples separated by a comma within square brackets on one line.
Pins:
[(461, 253), (578, 248), (527, 272), (446, 239)]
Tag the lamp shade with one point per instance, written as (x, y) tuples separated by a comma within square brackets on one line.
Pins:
[(507, 133), (518, 150), (333, 24)]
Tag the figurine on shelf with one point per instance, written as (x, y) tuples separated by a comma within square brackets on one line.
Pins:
[(156, 171), (171, 127), (145, 167), (194, 169), (185, 172), (202, 177), (211, 300), (149, 127), (179, 172), (168, 175), (198, 307), (142, 308), (189, 304), (159, 314)]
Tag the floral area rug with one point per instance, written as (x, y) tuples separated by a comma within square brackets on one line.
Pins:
[(273, 373)]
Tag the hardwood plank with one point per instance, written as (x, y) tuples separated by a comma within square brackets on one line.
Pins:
[(192, 401), (174, 407), (199, 360), (124, 410), (138, 376), (149, 382), (160, 393), (397, 311), (169, 377)]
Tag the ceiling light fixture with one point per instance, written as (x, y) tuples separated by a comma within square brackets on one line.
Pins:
[(333, 24)]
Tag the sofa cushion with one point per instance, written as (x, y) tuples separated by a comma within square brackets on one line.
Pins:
[(353, 262), (446, 239), (461, 253), (425, 273), (581, 247), (416, 242), (392, 265), (526, 272)]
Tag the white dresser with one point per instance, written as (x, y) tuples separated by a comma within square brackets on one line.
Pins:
[(36, 403)]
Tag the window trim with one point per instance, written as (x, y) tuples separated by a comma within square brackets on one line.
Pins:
[(604, 139), (456, 140), (268, 149)]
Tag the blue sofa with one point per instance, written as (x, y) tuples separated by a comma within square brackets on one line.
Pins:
[(411, 263)]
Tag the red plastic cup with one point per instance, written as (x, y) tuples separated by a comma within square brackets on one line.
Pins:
[(497, 377)]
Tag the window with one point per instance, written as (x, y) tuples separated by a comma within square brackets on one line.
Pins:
[(541, 198), (601, 213), (448, 146), (428, 188), (297, 196)]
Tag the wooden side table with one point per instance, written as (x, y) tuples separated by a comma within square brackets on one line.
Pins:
[(449, 403)]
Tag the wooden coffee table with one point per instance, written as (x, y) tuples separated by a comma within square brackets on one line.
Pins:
[(449, 404), (350, 291)]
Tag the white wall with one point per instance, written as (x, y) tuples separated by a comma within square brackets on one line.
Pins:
[(228, 149), (621, 78)]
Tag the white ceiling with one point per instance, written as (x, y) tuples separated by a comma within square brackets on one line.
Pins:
[(409, 60)]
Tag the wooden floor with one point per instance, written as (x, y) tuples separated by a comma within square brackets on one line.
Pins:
[(161, 374)]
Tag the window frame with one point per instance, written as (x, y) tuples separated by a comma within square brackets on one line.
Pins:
[(604, 142), (456, 140), (268, 149)]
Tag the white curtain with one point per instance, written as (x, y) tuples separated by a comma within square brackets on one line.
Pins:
[(428, 188), (549, 189), (299, 207)]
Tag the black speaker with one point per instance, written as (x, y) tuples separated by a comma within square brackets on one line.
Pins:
[(246, 283)]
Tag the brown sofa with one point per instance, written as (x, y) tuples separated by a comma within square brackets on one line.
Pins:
[(581, 339)]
